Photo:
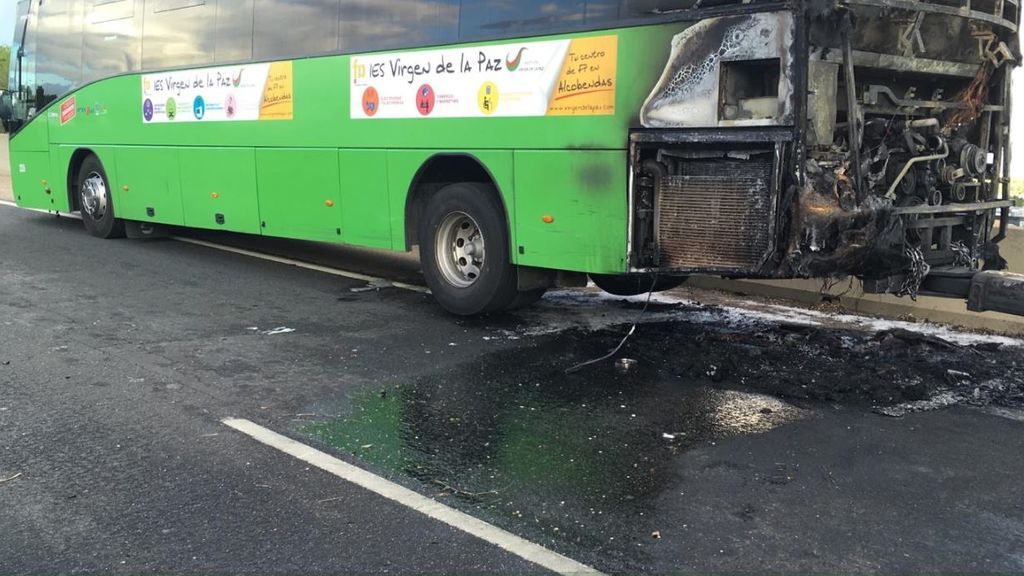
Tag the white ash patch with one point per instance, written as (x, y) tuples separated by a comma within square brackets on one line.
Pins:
[(747, 312)]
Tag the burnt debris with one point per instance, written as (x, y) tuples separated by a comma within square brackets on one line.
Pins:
[(865, 138)]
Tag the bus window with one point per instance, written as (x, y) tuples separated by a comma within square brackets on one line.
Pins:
[(295, 28), (112, 38), (598, 11), (59, 57), (178, 33), (374, 25), (491, 18), (234, 31), (22, 67)]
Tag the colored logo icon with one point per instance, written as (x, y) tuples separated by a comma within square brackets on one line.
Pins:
[(230, 106), (199, 107), (371, 101), (425, 100), (512, 64), (171, 109), (147, 110), (487, 98)]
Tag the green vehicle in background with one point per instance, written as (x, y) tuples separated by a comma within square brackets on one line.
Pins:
[(532, 144)]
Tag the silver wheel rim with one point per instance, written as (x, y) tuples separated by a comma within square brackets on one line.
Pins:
[(94, 196), (459, 249)]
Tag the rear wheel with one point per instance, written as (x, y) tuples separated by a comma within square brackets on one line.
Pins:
[(96, 202), (634, 284), (464, 251)]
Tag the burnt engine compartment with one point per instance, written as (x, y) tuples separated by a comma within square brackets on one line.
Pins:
[(892, 169)]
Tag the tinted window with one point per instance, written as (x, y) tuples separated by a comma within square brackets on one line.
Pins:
[(234, 30), (293, 28), (22, 71), (178, 33), (602, 11), (375, 25), (112, 38), (59, 50), (641, 8), (491, 18)]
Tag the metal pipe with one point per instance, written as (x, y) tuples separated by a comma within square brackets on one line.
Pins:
[(853, 131), (923, 122), (891, 193), (1001, 172)]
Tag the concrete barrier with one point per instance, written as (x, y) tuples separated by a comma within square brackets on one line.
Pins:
[(850, 295)]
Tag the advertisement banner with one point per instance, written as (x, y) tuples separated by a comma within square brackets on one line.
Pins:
[(221, 94), (553, 78)]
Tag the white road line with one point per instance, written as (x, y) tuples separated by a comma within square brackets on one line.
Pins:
[(459, 520), (300, 264), (262, 256), (10, 204)]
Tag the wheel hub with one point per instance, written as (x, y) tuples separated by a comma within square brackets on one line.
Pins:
[(94, 196), (460, 249)]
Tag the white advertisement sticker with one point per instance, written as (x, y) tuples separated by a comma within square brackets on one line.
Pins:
[(574, 77), (221, 94)]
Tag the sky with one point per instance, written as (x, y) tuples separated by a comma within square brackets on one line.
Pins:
[(7, 21), (7, 14)]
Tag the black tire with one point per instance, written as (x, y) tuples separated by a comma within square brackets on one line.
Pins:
[(493, 287), (634, 284), (97, 214)]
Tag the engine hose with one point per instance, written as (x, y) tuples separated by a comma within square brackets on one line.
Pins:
[(891, 193)]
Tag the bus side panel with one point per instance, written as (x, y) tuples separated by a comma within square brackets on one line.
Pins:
[(60, 159), (218, 189), (298, 193), (148, 185), (34, 137), (30, 166), (366, 217), (30, 177), (584, 194), (404, 165)]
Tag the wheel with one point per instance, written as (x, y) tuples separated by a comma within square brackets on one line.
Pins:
[(464, 250), (97, 205), (634, 284)]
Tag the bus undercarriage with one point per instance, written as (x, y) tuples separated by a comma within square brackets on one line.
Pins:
[(893, 167)]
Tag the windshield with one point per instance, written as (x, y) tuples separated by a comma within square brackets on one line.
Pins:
[(19, 104)]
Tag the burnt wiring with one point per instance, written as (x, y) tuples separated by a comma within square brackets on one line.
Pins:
[(916, 272), (629, 334), (973, 96), (963, 255)]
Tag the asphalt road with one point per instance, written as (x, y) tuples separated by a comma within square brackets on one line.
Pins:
[(119, 359)]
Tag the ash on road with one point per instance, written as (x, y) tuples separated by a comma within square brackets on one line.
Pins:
[(740, 439)]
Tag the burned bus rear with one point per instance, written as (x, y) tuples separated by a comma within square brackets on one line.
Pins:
[(865, 138)]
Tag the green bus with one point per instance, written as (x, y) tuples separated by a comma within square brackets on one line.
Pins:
[(530, 144)]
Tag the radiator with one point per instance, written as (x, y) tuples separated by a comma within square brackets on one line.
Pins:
[(716, 217)]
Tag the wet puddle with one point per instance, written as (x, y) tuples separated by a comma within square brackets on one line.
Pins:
[(577, 458), (582, 458)]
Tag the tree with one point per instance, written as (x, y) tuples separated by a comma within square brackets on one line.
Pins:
[(5, 65)]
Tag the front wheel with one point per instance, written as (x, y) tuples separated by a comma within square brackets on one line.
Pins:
[(464, 250), (96, 202)]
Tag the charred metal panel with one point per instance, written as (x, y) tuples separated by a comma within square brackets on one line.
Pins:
[(822, 83), (696, 89), (716, 217)]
